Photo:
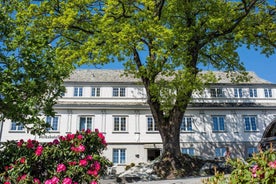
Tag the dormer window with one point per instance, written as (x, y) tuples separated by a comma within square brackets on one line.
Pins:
[(216, 92), (119, 92)]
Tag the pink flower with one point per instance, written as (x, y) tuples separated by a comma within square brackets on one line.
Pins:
[(80, 137), (22, 160), (83, 162), (61, 138), (70, 136), (48, 182), (81, 148), (89, 157), (61, 167), (7, 182), (23, 177), (92, 172), (39, 150), (54, 180), (93, 182), (36, 181), (97, 166), (272, 164), (19, 143), (88, 131), (55, 141), (29, 144), (67, 181)]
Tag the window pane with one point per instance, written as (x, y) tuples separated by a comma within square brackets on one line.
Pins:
[(13, 126), (123, 156), (89, 123), (122, 92), (115, 156), (115, 92), (116, 124), (123, 124), (55, 123), (82, 123)]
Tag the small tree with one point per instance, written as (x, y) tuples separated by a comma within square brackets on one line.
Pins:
[(154, 38)]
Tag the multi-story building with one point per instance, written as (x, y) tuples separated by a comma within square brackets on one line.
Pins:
[(224, 115)]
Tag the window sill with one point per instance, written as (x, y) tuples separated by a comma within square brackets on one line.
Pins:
[(185, 132), (117, 132), (17, 131), (219, 131), (152, 132)]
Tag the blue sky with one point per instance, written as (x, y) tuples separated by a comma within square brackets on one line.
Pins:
[(264, 67)]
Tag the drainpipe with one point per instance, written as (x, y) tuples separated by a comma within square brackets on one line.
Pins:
[(1, 129)]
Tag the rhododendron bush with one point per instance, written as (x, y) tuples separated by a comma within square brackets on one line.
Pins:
[(71, 159)]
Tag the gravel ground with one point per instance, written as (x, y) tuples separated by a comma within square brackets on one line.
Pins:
[(189, 180)]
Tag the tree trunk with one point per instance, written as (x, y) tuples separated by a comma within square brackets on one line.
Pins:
[(172, 163)]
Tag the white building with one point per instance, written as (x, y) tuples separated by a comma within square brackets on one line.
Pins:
[(224, 115)]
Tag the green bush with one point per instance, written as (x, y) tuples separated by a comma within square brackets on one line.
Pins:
[(71, 159), (261, 168)]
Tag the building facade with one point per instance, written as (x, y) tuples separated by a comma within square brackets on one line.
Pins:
[(223, 115)]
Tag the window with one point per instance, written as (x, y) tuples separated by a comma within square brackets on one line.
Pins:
[(218, 123), (17, 127), (95, 91), (251, 151), (53, 122), (85, 123), (250, 123), (78, 91), (151, 124), (267, 92), (119, 156), (219, 152), (216, 92), (253, 92), (119, 91), (238, 92), (120, 124), (186, 124), (189, 151)]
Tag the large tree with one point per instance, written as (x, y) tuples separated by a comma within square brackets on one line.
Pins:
[(165, 43), (30, 78)]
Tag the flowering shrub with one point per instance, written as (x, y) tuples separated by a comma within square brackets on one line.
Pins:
[(261, 168), (71, 159)]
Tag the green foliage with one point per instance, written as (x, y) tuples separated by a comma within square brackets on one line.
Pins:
[(152, 38), (75, 157), (31, 79), (261, 168)]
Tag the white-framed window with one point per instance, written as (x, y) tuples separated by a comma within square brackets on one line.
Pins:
[(120, 123), (186, 124), (78, 91), (189, 151), (53, 122), (16, 126), (218, 123), (119, 92), (151, 124), (119, 156), (250, 123), (268, 92), (216, 92), (251, 151), (85, 123), (219, 152), (253, 92), (95, 91), (238, 92)]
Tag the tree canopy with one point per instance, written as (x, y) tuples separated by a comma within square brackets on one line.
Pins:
[(173, 39), (31, 80)]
